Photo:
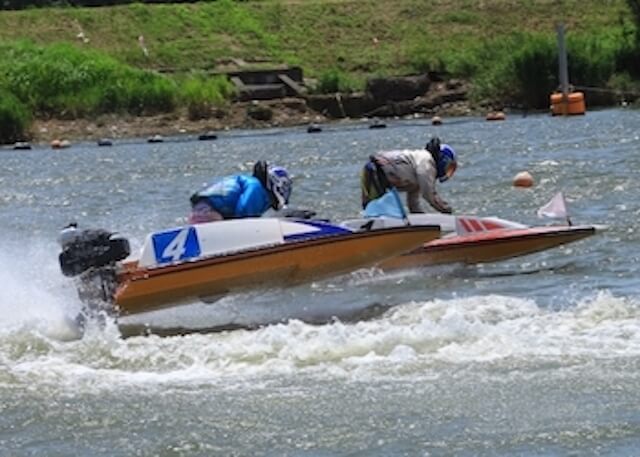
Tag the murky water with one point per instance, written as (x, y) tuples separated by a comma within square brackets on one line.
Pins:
[(532, 356)]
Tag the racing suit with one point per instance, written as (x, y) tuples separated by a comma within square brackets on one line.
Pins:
[(411, 170)]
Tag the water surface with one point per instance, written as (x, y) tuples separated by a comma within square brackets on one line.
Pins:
[(531, 356)]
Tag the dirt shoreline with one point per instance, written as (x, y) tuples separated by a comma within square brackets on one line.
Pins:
[(284, 113), (235, 116)]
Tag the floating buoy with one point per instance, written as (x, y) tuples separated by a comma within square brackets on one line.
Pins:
[(207, 136), (314, 128), (572, 104), (436, 120), (21, 146), (105, 142), (523, 179), (60, 144), (155, 139), (496, 116)]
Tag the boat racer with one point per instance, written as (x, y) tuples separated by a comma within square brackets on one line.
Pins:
[(412, 171), (238, 196)]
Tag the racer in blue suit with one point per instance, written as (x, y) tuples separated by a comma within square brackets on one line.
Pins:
[(238, 196)]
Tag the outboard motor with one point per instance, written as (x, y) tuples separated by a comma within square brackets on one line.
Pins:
[(90, 248), (90, 257)]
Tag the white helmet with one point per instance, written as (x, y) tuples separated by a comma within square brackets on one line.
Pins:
[(279, 184)]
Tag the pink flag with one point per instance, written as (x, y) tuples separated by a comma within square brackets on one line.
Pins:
[(556, 208)]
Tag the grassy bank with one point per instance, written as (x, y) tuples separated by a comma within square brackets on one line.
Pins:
[(506, 47), (357, 36), (64, 82)]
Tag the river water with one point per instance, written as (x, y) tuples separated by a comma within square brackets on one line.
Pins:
[(531, 356)]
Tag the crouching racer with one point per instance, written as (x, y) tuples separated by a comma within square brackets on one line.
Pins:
[(412, 171), (239, 196)]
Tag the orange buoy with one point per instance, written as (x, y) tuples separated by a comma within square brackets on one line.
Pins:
[(523, 179), (436, 120), (496, 116), (573, 103), (60, 144)]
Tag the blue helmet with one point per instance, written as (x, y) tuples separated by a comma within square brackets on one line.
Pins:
[(446, 162), (279, 184)]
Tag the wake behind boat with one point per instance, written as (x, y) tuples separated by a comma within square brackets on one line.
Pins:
[(201, 261)]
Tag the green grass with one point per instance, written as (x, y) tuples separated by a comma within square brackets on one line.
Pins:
[(14, 118), (201, 93), (63, 81), (319, 35), (70, 62)]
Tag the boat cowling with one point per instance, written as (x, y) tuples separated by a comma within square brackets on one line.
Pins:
[(91, 248)]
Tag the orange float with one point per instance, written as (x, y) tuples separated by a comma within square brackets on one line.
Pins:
[(523, 179), (496, 116), (60, 144), (573, 103)]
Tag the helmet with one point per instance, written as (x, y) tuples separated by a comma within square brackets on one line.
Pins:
[(446, 162), (279, 184)]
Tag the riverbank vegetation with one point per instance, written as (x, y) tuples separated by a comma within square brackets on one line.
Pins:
[(141, 59), (61, 80)]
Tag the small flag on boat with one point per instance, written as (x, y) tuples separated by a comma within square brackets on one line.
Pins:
[(555, 208)]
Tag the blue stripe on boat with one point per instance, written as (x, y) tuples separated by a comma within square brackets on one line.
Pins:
[(325, 229)]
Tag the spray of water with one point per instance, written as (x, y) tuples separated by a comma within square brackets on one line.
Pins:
[(34, 296), (416, 339)]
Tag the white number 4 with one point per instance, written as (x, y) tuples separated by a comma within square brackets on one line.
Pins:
[(177, 247)]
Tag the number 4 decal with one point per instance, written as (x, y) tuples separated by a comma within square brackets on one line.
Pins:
[(176, 245)]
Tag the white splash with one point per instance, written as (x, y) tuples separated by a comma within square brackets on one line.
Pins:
[(34, 295), (416, 339)]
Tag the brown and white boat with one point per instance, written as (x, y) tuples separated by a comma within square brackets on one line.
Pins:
[(185, 264)]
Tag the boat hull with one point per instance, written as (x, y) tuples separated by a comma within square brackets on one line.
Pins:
[(148, 289), (488, 246)]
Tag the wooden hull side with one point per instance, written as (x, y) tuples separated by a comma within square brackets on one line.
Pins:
[(489, 246), (149, 289)]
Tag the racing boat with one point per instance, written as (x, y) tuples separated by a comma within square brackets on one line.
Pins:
[(205, 261), (471, 239)]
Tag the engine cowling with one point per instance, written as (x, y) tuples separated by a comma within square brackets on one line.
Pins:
[(91, 248)]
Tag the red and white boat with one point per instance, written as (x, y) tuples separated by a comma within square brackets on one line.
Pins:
[(483, 240), (472, 239)]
